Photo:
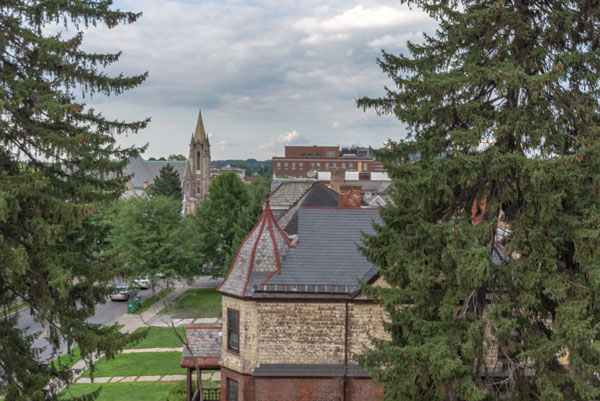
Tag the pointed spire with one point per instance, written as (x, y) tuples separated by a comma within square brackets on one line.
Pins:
[(200, 134)]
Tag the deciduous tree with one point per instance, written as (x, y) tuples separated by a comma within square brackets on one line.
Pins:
[(501, 106)]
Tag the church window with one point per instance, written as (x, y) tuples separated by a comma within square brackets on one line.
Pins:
[(197, 190), (198, 161)]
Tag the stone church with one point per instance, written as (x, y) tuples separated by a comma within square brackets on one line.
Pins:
[(196, 177)]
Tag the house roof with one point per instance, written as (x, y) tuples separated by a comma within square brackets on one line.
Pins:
[(146, 170), (309, 370), (286, 193), (318, 195), (327, 258), (205, 343), (259, 256)]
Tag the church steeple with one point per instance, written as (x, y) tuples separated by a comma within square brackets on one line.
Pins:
[(200, 134)]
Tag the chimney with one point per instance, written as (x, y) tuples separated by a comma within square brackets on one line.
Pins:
[(338, 179), (146, 184), (350, 197)]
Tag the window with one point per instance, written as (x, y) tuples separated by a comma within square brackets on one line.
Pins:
[(326, 166), (350, 165), (300, 165), (278, 164), (343, 165), (232, 390), (365, 167), (318, 155), (334, 165), (310, 155), (233, 330), (285, 165), (293, 165), (319, 165), (303, 155), (312, 165), (330, 153)]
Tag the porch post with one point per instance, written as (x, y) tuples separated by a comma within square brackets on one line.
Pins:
[(199, 383), (189, 384)]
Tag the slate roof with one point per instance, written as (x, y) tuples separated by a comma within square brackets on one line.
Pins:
[(260, 255), (319, 195), (146, 170), (205, 343), (326, 258), (308, 370), (286, 193)]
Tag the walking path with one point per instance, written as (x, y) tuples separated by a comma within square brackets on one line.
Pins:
[(213, 376)]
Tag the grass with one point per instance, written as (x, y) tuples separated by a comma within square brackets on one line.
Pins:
[(70, 360), (195, 303), (15, 308), (139, 364), (159, 337), (148, 302), (150, 391)]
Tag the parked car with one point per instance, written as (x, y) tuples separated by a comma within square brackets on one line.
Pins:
[(123, 293), (143, 282)]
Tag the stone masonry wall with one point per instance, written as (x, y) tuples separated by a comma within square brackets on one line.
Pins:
[(245, 360), (306, 332)]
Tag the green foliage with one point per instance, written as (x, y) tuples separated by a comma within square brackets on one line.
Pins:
[(145, 391), (158, 337), (149, 236), (501, 105), (168, 183), (214, 224), (177, 157), (252, 166), (58, 161)]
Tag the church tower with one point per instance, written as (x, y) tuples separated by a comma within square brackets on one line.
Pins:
[(197, 171)]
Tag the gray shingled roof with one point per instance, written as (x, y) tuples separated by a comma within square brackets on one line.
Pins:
[(262, 252), (288, 192), (308, 370), (327, 253), (146, 170), (319, 195), (205, 342)]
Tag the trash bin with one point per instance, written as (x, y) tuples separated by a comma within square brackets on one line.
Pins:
[(134, 304)]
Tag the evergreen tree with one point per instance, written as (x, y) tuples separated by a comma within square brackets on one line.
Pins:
[(216, 218), (168, 183), (501, 106), (58, 161)]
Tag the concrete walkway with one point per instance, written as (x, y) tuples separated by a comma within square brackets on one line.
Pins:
[(212, 376)]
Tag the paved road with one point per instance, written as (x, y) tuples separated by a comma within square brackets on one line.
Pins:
[(106, 314)]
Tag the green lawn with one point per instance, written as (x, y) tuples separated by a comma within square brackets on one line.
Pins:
[(148, 302), (195, 303), (151, 391), (72, 359), (159, 337), (140, 364)]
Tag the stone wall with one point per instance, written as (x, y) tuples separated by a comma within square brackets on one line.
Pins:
[(245, 360)]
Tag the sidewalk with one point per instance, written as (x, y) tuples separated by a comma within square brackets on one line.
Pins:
[(213, 376)]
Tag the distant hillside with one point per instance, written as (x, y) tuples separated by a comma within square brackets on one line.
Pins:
[(252, 166)]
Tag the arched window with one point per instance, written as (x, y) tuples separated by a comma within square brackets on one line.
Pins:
[(198, 161)]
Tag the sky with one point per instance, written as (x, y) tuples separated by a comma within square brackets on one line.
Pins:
[(265, 73)]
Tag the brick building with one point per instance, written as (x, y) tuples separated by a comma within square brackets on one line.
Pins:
[(304, 161), (292, 312)]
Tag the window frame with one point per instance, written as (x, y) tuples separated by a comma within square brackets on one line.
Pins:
[(230, 381), (229, 347)]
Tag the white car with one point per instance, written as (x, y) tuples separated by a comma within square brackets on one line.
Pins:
[(143, 282), (123, 293)]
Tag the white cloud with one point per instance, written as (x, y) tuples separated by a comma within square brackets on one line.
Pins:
[(287, 137)]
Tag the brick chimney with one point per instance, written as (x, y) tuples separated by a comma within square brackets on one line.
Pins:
[(350, 197), (338, 179)]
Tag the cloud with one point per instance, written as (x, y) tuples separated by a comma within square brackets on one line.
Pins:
[(256, 69), (288, 137)]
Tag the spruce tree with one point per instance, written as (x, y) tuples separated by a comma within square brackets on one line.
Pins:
[(59, 161), (167, 183), (501, 108)]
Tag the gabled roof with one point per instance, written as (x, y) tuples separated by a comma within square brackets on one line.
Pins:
[(319, 195), (286, 193), (259, 256), (147, 170), (327, 258)]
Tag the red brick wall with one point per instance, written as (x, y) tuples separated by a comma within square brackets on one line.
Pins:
[(245, 385), (350, 197), (316, 389), (297, 151)]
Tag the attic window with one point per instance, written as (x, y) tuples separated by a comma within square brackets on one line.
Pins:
[(233, 330)]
